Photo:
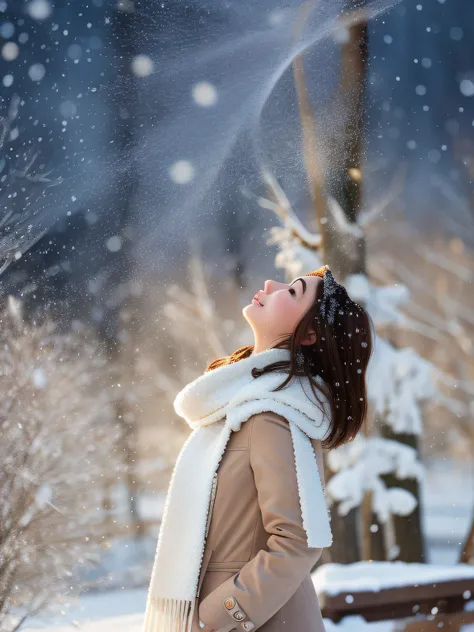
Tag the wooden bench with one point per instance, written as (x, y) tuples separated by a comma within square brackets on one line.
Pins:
[(406, 593)]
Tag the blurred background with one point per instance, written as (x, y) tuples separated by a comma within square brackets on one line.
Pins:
[(158, 162)]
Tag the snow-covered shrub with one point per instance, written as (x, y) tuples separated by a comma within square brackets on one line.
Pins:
[(57, 451)]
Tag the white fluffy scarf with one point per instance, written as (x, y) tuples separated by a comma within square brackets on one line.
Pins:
[(214, 405)]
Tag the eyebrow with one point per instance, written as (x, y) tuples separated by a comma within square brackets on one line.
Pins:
[(302, 281)]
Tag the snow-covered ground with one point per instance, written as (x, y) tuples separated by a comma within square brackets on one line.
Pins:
[(108, 612), (447, 506), (122, 611)]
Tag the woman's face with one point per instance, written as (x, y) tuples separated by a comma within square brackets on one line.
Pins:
[(279, 309)]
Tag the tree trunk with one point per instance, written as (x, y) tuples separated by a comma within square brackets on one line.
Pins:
[(347, 186), (408, 529), (350, 532)]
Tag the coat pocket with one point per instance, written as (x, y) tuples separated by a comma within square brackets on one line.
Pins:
[(213, 612)]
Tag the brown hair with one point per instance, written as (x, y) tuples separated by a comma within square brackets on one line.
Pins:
[(339, 356)]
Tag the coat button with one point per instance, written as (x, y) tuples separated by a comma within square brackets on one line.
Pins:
[(238, 615), (229, 603), (248, 625)]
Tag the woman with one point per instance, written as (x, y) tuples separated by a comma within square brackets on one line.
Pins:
[(245, 518)]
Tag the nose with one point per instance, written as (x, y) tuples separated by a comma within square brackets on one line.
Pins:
[(270, 286)]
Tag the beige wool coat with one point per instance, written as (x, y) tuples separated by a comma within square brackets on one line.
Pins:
[(256, 563)]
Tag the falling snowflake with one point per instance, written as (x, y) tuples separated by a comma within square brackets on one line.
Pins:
[(182, 172), (142, 65), (204, 94), (39, 9)]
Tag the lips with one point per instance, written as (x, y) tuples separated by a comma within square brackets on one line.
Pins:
[(255, 298)]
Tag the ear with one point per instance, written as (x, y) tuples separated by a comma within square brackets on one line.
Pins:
[(310, 338)]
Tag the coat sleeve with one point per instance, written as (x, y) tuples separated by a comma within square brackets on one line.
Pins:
[(268, 580)]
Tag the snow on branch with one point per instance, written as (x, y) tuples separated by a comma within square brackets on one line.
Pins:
[(283, 209), (23, 179), (398, 380), (359, 466), (292, 257), (343, 227), (382, 302)]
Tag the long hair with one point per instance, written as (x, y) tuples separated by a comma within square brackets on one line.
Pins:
[(339, 356)]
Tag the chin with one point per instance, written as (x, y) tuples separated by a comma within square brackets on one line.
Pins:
[(248, 310)]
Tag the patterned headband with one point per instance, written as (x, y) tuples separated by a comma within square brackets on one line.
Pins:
[(334, 294)]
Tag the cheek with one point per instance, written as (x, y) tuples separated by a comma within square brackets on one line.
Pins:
[(284, 310)]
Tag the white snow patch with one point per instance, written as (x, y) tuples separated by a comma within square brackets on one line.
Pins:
[(333, 579)]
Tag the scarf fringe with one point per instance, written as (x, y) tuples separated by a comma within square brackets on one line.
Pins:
[(168, 615)]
